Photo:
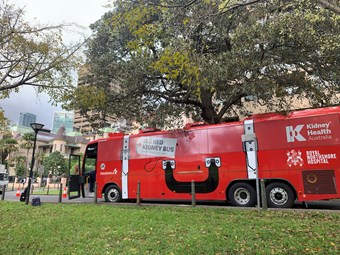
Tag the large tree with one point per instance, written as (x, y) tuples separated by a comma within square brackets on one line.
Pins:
[(34, 55), (155, 59)]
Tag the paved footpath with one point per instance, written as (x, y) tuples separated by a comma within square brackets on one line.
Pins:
[(332, 205)]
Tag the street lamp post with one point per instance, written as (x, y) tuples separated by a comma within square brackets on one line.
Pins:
[(36, 127)]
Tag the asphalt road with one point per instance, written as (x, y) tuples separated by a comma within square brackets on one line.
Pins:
[(332, 205), (11, 196)]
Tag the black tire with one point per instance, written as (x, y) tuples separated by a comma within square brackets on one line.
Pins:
[(112, 194), (242, 194), (279, 195)]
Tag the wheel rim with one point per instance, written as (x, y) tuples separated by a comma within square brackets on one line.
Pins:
[(113, 195), (242, 196), (278, 196)]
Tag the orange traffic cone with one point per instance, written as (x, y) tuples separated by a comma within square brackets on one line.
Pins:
[(18, 193), (64, 193)]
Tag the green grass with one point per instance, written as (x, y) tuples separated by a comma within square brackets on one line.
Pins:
[(105, 229), (44, 192)]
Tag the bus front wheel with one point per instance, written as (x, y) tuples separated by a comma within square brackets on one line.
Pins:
[(112, 194)]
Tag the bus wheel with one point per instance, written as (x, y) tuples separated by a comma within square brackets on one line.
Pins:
[(242, 194), (279, 195), (112, 194)]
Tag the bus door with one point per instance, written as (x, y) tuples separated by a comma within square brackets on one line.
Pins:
[(75, 179), (89, 170)]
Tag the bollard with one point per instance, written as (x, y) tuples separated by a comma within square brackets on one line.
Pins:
[(193, 195), (95, 193), (48, 189), (3, 192), (263, 195), (138, 193), (60, 193)]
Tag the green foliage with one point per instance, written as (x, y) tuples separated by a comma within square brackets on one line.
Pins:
[(20, 170), (154, 60), (3, 120), (92, 103), (3, 123), (332, 5), (34, 55), (7, 145), (164, 230), (75, 164), (55, 163), (20, 165)]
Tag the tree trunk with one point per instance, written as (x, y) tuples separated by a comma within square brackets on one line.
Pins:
[(208, 112)]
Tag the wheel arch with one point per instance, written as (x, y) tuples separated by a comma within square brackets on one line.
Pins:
[(108, 184)]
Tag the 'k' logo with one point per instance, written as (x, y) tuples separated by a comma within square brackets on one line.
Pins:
[(294, 133)]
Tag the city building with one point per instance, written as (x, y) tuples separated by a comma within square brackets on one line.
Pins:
[(47, 143), (63, 119), (26, 119)]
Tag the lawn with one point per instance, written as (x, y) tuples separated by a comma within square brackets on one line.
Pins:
[(106, 229), (44, 192)]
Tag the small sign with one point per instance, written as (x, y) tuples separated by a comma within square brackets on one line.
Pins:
[(156, 146)]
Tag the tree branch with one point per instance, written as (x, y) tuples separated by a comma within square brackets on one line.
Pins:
[(240, 5), (329, 6)]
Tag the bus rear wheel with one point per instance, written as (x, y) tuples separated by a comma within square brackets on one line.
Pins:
[(279, 195), (242, 194), (112, 194)]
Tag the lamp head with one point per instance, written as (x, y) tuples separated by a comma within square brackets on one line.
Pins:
[(37, 126)]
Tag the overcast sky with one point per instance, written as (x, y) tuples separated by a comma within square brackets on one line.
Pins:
[(82, 12)]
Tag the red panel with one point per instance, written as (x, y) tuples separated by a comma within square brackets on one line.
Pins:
[(315, 131), (271, 135), (191, 142), (109, 164), (226, 138)]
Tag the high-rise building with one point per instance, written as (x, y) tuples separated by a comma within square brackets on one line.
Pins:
[(26, 119), (64, 119)]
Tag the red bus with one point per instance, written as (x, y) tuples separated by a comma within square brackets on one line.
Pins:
[(297, 155)]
